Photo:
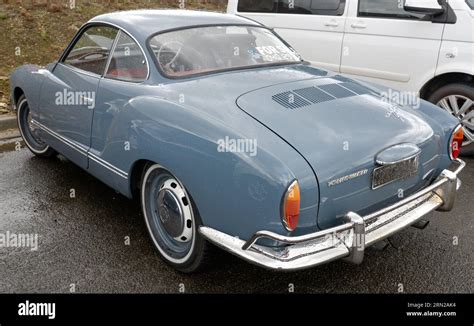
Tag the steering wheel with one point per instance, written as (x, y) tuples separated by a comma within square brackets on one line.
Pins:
[(168, 50)]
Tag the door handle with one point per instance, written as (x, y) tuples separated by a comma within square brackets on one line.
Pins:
[(360, 25), (331, 23)]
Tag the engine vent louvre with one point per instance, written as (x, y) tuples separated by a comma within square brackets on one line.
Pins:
[(290, 100), (314, 95), (356, 88), (318, 94), (342, 79), (336, 90)]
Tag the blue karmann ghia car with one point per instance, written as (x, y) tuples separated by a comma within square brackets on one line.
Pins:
[(229, 137)]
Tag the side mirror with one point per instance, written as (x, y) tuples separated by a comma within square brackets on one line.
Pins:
[(426, 7)]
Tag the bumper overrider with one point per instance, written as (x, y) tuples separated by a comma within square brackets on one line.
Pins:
[(348, 240)]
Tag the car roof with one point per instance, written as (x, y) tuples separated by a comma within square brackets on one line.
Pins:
[(143, 23)]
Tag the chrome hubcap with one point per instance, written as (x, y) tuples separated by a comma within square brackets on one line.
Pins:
[(170, 213), (463, 109), (174, 214)]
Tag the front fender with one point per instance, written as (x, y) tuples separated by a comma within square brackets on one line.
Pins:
[(29, 79)]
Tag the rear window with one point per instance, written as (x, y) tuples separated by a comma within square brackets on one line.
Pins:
[(203, 50)]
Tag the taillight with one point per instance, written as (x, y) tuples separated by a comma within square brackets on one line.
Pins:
[(291, 206), (455, 143)]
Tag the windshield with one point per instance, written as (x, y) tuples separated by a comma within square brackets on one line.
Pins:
[(199, 50)]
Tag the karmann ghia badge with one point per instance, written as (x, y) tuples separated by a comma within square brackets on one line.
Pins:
[(348, 177)]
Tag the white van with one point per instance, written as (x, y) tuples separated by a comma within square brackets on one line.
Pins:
[(425, 47)]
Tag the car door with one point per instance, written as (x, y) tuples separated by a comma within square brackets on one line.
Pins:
[(387, 45), (69, 94), (314, 28), (112, 138)]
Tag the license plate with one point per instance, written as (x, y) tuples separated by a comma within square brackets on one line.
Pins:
[(394, 172)]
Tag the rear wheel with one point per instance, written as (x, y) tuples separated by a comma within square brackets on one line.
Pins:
[(458, 100), (29, 130), (172, 220)]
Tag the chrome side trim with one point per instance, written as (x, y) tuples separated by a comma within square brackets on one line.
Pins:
[(63, 139), (82, 151), (108, 166), (348, 240)]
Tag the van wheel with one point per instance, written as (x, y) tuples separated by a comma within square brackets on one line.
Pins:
[(172, 220), (457, 99), (29, 131)]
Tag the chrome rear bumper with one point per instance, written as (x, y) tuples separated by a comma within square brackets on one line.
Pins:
[(348, 240)]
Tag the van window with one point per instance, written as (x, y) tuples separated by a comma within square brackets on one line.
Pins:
[(257, 6), (312, 7), (470, 3), (303, 7), (387, 9)]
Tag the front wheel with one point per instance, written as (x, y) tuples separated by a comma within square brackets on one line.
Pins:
[(29, 131), (458, 99), (171, 219)]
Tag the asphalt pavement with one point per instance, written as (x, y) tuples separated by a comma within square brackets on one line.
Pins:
[(93, 240)]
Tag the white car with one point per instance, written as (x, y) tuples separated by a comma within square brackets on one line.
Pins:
[(422, 47)]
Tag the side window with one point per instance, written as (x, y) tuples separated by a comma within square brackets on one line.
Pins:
[(304, 7), (92, 49), (128, 62), (257, 6), (386, 9), (312, 7)]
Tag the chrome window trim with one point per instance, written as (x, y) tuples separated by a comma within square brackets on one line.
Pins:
[(136, 41), (120, 29), (112, 50)]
